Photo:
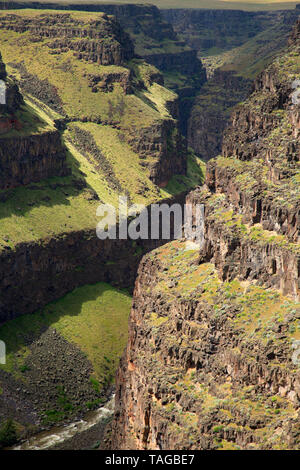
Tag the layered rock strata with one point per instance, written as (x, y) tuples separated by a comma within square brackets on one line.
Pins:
[(34, 274), (212, 360)]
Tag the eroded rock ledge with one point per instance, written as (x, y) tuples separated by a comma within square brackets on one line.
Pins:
[(212, 357), (208, 364), (101, 40)]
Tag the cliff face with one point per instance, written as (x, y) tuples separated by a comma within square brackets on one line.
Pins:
[(211, 111), (92, 58), (165, 149), (212, 357), (222, 29), (31, 158)]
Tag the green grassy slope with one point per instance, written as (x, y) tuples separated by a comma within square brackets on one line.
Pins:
[(92, 317)]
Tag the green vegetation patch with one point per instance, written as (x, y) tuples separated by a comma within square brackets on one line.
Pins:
[(132, 178), (93, 317)]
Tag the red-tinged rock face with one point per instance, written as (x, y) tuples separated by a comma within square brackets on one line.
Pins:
[(211, 362)]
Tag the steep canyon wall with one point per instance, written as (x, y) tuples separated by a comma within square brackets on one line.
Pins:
[(211, 361)]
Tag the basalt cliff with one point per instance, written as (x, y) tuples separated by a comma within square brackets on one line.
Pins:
[(83, 120), (235, 46), (94, 105), (30, 150), (212, 360)]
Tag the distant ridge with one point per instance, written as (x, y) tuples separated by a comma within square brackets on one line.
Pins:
[(256, 5)]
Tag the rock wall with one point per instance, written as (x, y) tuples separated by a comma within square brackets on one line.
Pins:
[(164, 145), (24, 160), (212, 109), (212, 356), (192, 376), (34, 274)]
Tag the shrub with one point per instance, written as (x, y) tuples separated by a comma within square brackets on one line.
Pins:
[(8, 433)]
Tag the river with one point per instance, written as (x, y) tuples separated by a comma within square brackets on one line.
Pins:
[(60, 434)]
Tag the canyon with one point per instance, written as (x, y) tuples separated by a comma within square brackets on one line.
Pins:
[(210, 360), (109, 100)]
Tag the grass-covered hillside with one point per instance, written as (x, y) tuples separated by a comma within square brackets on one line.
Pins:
[(60, 360), (113, 117), (116, 127)]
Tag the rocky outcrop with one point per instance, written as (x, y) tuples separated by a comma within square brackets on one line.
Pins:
[(34, 274), (102, 41), (31, 158), (164, 147), (212, 357), (257, 204)]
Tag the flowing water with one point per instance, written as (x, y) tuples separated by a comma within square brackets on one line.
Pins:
[(59, 434)]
